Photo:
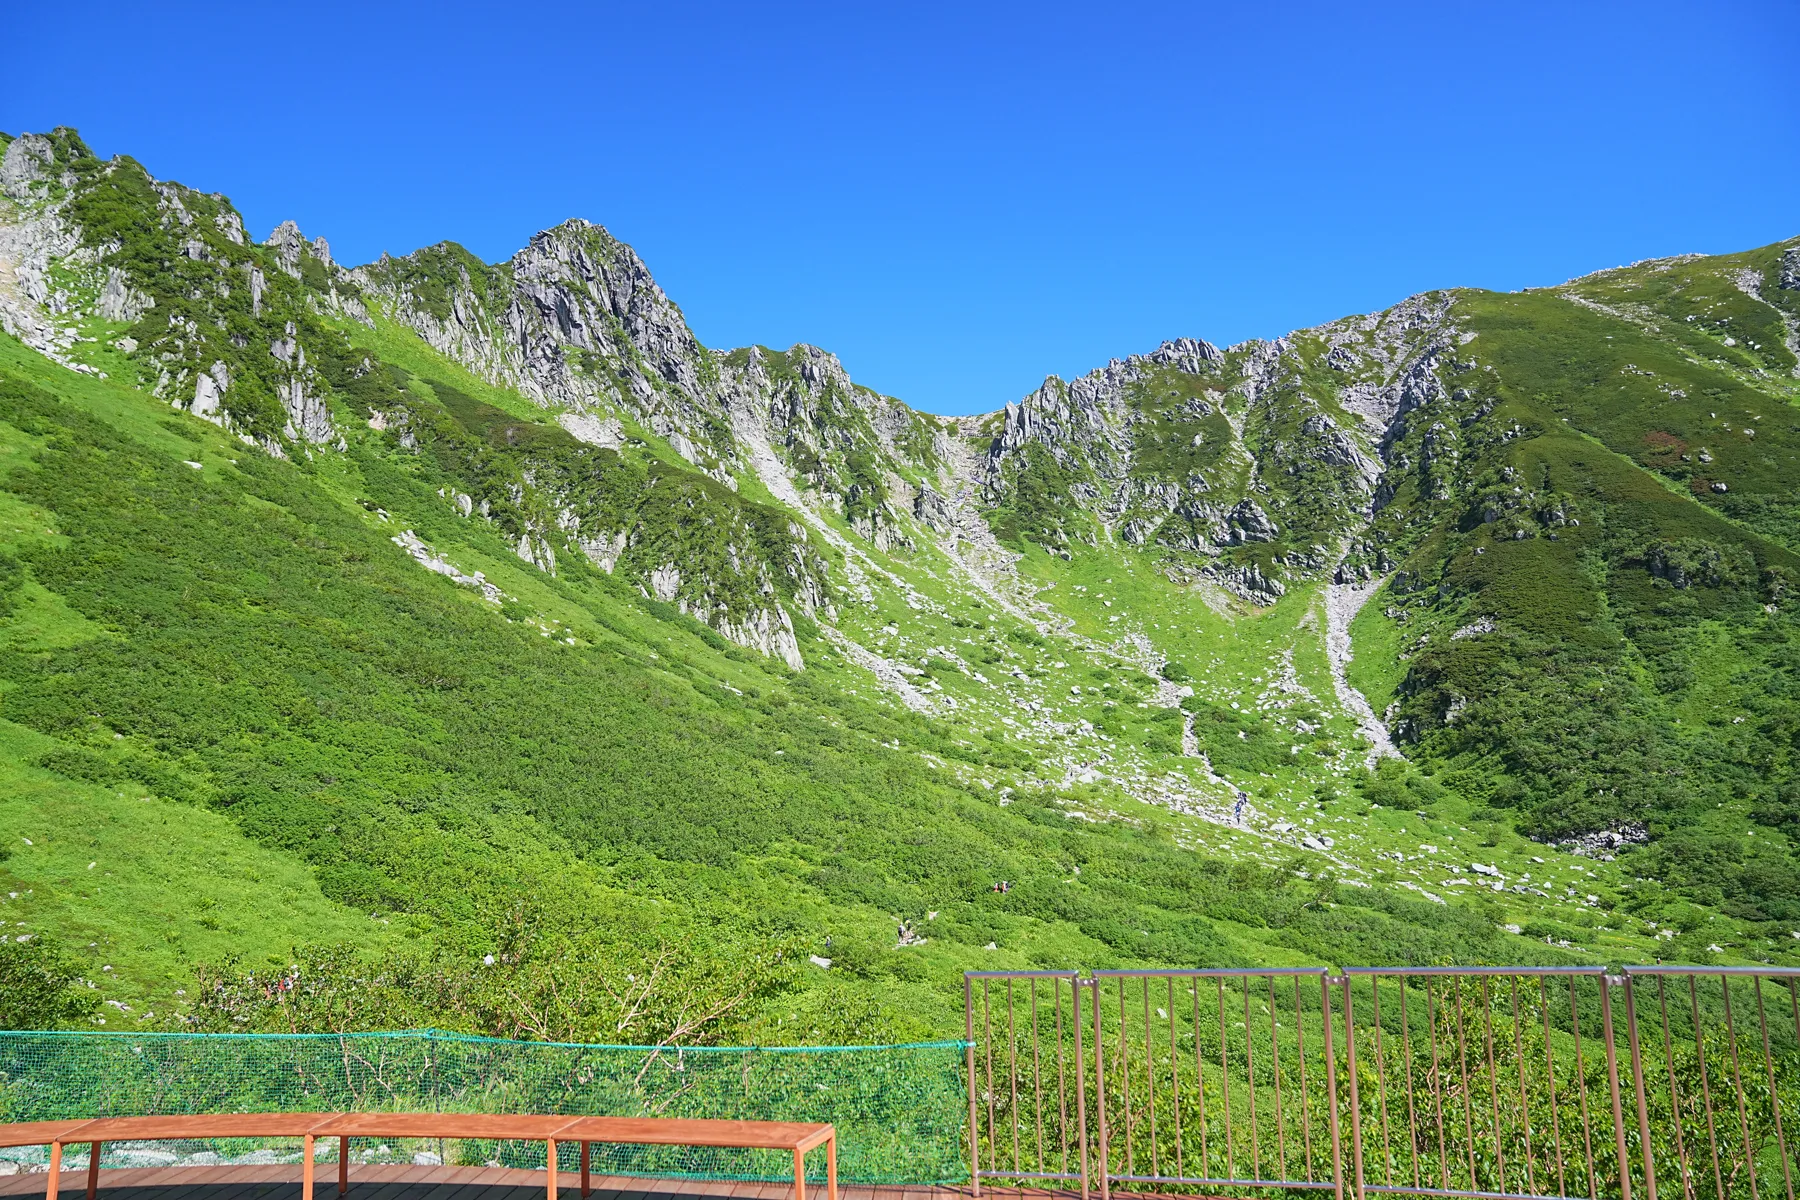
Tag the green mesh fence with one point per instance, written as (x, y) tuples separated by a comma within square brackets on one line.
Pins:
[(899, 1110)]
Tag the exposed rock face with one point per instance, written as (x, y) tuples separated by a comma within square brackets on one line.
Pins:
[(33, 236), (574, 320), (119, 301), (1248, 582), (1790, 269), (209, 388), (1400, 348), (332, 289), (606, 433), (28, 161), (1248, 523), (1198, 449), (1187, 354), (308, 417), (933, 510)]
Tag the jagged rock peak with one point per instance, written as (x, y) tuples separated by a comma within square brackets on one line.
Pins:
[(28, 160), (1189, 354), (290, 245)]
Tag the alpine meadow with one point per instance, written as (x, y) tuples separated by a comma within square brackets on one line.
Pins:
[(457, 644)]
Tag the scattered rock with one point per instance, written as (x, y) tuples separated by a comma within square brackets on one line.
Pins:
[(1603, 844)]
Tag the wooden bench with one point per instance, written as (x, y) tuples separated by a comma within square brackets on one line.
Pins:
[(793, 1137), (499, 1127), (98, 1132)]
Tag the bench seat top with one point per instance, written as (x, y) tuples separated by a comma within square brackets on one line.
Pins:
[(500, 1126), (671, 1131), (651, 1131), (37, 1133), (196, 1125)]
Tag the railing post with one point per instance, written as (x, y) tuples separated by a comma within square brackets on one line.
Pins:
[(1076, 983), (1612, 1081), (969, 1059), (1356, 1153), (1337, 1143)]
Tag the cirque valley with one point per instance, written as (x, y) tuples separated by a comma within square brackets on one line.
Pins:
[(453, 629)]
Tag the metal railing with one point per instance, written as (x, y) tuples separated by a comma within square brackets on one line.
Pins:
[(1485, 1083)]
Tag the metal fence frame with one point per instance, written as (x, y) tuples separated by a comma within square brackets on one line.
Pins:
[(1638, 1111)]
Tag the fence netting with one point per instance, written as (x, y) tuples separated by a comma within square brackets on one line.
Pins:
[(898, 1110)]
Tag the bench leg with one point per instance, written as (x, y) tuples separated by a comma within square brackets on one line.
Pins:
[(55, 1171), (343, 1165), (799, 1175), (831, 1165), (550, 1168), (587, 1188), (93, 1170), (306, 1167)]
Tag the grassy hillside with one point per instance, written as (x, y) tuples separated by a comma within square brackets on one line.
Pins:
[(569, 780)]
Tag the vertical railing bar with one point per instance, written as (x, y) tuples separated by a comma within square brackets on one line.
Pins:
[(1737, 1079), (1037, 1077), (1125, 1086), (1787, 1171), (987, 1037), (1387, 1145), (1062, 1087), (1524, 1106), (1629, 986), (1175, 1080), (1305, 1117), (1225, 1082), (1412, 1119), (1712, 1136), (1331, 1093), (969, 1060), (1437, 1086), (1150, 1084), (1080, 1082), (1275, 1058), (1487, 1026), (1105, 1146), (1793, 990), (1562, 1187), (1199, 1077), (1587, 1134), (1468, 1094), (1012, 1076), (1356, 1146), (1612, 1084), (1681, 1158), (1250, 1077)]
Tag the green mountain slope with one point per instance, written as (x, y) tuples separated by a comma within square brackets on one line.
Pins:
[(508, 660)]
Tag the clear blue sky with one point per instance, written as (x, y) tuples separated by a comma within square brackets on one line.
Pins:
[(960, 198)]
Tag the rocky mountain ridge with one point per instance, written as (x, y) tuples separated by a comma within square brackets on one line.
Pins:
[(576, 323), (756, 489), (1470, 578)]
